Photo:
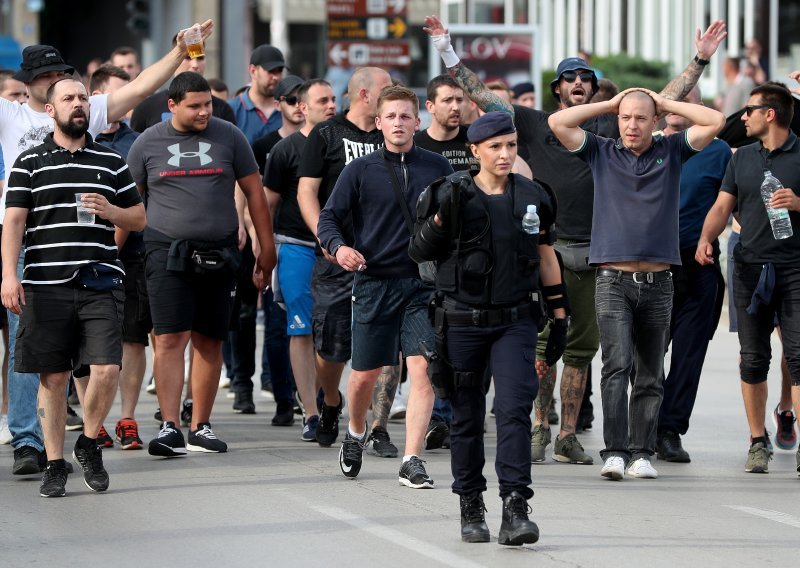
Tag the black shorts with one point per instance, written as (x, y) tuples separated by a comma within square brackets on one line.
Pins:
[(66, 328), (331, 288), (187, 301), (137, 323)]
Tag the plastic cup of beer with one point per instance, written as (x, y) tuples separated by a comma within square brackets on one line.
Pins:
[(193, 38), (85, 215)]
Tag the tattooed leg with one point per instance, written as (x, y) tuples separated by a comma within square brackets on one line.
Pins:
[(544, 399), (383, 395), (573, 381)]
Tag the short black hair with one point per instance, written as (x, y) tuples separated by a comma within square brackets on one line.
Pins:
[(441, 81), (103, 73), (302, 90), (187, 82), (779, 98), (217, 84), (52, 88)]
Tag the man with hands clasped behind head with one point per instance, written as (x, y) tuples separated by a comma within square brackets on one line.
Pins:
[(634, 241)]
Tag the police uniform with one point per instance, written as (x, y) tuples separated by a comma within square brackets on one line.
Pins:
[(486, 307)]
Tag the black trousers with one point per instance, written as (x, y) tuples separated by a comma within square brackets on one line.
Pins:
[(510, 351)]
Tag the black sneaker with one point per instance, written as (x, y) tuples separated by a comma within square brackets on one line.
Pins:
[(169, 442), (516, 529), (26, 461), (670, 448), (328, 427), (90, 459), (204, 440), (552, 414), (157, 415), (381, 445), (413, 474), (437, 432), (284, 414), (585, 417), (243, 403), (351, 454), (54, 479), (186, 412), (74, 422)]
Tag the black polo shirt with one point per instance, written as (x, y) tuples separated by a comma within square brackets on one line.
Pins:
[(743, 180), (636, 198)]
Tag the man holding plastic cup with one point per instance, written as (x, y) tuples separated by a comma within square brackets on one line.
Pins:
[(70, 299)]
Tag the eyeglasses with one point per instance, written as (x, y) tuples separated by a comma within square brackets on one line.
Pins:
[(750, 108), (570, 76), (290, 100)]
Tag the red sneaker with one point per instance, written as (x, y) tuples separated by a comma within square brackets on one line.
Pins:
[(128, 434)]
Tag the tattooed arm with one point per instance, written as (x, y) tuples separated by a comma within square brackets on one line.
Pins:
[(707, 45), (485, 99)]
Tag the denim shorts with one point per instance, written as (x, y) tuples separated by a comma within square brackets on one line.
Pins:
[(390, 316)]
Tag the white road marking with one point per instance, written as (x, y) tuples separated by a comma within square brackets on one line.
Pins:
[(776, 516), (396, 537)]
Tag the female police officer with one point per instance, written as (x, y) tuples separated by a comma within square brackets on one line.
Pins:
[(485, 308)]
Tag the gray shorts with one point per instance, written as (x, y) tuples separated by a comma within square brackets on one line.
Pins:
[(390, 316)]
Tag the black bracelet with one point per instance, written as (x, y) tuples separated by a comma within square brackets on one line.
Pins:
[(699, 61)]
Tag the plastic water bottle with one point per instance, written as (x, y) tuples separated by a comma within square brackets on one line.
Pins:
[(530, 221), (778, 218)]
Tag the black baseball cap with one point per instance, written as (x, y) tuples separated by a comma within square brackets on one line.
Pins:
[(286, 85), (268, 57), (39, 59)]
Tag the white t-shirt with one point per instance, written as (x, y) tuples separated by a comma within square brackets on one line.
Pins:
[(22, 128)]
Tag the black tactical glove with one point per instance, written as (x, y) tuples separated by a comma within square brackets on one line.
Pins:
[(557, 341)]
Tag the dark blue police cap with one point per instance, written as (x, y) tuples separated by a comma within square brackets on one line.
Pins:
[(522, 88), (490, 125), (572, 64)]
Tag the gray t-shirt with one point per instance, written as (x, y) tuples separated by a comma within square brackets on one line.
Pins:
[(636, 198), (190, 178)]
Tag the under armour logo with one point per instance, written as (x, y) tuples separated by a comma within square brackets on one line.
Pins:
[(202, 148)]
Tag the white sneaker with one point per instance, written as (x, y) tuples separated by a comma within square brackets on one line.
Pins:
[(151, 386), (224, 382), (398, 410), (5, 433), (614, 468), (643, 469), (267, 394)]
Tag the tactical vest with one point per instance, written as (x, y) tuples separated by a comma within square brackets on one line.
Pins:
[(465, 273)]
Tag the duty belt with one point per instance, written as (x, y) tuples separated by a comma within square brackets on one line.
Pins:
[(638, 277), (487, 317)]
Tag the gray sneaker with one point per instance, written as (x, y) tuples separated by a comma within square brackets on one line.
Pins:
[(569, 450), (540, 439), (757, 459)]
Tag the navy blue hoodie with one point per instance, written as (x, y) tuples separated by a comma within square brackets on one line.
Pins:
[(364, 189)]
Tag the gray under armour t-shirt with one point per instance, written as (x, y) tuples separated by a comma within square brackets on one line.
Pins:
[(190, 178)]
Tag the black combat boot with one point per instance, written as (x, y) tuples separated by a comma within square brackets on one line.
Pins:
[(516, 528), (473, 523)]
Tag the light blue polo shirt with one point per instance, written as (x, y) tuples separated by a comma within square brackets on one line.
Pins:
[(250, 120)]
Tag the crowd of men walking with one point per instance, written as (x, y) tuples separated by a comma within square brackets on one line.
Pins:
[(469, 252)]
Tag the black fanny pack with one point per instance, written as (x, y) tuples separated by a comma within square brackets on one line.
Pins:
[(99, 277), (214, 260), (575, 256)]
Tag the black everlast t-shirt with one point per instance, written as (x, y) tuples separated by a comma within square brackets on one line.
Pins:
[(456, 150), (568, 176)]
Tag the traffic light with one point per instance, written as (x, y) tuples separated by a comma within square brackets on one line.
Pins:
[(139, 17)]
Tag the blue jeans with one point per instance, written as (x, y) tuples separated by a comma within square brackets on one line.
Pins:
[(23, 390), (633, 319)]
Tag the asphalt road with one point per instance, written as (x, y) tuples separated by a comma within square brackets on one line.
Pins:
[(274, 500)]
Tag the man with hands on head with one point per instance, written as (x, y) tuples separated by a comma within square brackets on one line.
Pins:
[(766, 280), (634, 240)]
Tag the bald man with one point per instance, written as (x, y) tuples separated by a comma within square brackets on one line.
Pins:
[(634, 241)]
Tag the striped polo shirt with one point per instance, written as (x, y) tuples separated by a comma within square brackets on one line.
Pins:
[(44, 180)]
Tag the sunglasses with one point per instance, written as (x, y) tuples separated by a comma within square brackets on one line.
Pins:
[(291, 100), (750, 108), (570, 76)]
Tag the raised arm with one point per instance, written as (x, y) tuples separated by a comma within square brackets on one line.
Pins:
[(151, 78), (485, 99), (565, 123), (706, 45)]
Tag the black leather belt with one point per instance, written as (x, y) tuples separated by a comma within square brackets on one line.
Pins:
[(638, 277), (488, 318)]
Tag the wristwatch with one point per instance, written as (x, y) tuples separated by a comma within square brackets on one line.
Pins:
[(699, 61), (336, 249)]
